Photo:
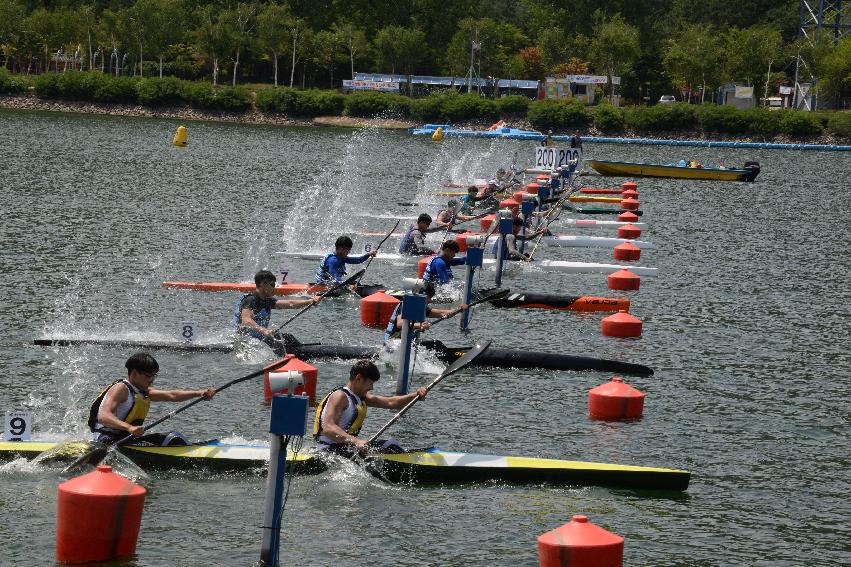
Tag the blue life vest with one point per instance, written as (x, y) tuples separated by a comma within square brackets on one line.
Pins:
[(407, 242), (323, 274), (261, 317)]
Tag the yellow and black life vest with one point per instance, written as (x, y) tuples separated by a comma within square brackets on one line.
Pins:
[(356, 420), (140, 404)]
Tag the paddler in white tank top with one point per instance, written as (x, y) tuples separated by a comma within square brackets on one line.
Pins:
[(121, 408), (341, 413)]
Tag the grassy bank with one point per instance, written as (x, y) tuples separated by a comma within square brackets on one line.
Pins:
[(201, 100)]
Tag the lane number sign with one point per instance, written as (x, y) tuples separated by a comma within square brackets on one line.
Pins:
[(553, 158), (17, 426), (187, 333), (367, 248)]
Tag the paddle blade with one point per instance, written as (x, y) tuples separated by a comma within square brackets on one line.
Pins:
[(468, 357), (88, 459)]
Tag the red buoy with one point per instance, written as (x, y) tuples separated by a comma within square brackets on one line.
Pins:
[(630, 194), (511, 204), (98, 517), (421, 266), (624, 280), (629, 204), (542, 178), (629, 231), (375, 309), (309, 373), (623, 325), (485, 222), (629, 184), (627, 251), (532, 188), (615, 400), (518, 196), (579, 543), (461, 239), (628, 216)]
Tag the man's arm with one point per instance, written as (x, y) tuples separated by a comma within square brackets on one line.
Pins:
[(295, 303), (359, 259), (246, 319), (179, 395), (394, 402)]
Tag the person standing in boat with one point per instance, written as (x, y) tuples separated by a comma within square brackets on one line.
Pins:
[(332, 269), (341, 413), (413, 241), (122, 407), (254, 311)]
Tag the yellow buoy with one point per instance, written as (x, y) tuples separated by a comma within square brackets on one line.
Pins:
[(438, 135), (180, 137)]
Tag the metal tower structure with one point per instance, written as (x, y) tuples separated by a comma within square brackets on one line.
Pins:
[(473, 73), (820, 20)]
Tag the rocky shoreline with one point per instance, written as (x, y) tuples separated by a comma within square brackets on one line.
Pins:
[(254, 116)]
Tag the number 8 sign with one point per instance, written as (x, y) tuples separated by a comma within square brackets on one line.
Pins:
[(17, 426)]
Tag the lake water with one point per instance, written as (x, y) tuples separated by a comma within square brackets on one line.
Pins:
[(746, 326)]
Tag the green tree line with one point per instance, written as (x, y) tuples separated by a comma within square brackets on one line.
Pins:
[(655, 46)]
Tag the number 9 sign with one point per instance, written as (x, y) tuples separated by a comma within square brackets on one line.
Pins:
[(17, 426)]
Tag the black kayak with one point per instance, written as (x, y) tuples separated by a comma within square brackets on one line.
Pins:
[(497, 357)]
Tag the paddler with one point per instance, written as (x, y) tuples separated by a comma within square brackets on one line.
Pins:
[(413, 241), (394, 326), (255, 310), (468, 201), (332, 269), (340, 415), (513, 253), (122, 407), (447, 217), (438, 271)]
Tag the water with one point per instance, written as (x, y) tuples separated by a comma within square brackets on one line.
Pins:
[(746, 327)]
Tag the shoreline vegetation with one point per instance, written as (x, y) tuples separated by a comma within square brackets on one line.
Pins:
[(169, 97)]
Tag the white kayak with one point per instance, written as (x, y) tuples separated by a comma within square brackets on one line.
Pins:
[(586, 223), (561, 240), (546, 265)]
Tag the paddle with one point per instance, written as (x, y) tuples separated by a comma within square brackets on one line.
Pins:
[(357, 275), (97, 454), (468, 357), (499, 294)]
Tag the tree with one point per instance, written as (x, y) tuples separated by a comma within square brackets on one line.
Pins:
[(12, 16), (834, 69), (273, 35), (241, 22), (297, 28), (355, 42), (533, 67), (693, 57), (399, 47), (750, 51), (212, 36), (614, 47), (498, 41), (138, 21), (328, 51), (168, 19)]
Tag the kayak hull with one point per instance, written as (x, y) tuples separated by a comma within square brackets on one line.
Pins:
[(428, 466), (630, 169)]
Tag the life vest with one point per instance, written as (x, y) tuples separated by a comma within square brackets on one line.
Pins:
[(354, 414), (323, 274), (407, 242), (392, 329), (261, 317), (133, 410)]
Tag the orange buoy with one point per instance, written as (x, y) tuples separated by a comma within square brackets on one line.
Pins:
[(629, 184), (628, 216), (309, 373), (627, 251), (98, 517), (421, 266), (629, 204), (511, 204), (624, 280), (630, 194), (615, 400), (622, 325), (532, 188), (518, 196), (629, 231), (461, 239), (542, 178), (485, 223), (579, 543), (376, 309)]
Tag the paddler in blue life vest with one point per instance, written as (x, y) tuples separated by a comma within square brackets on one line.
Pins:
[(340, 415), (254, 311), (122, 407), (413, 241), (332, 269), (468, 201), (438, 271)]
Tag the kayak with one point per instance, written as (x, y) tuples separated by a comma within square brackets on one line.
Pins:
[(594, 199), (500, 358), (421, 466), (631, 169), (561, 302), (561, 240), (285, 289), (599, 210), (546, 265), (495, 357), (600, 191)]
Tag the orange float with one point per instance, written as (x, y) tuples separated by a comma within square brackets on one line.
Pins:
[(628, 216), (624, 280), (630, 204), (622, 325), (615, 400), (629, 231), (376, 309), (310, 374), (627, 252), (579, 543)]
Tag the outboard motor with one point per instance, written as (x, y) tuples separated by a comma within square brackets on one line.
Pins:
[(753, 170)]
